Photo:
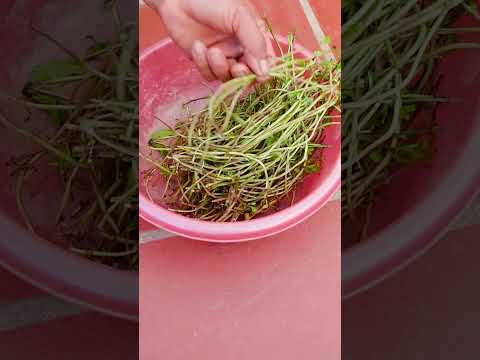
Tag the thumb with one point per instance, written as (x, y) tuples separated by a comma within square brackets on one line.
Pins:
[(251, 37)]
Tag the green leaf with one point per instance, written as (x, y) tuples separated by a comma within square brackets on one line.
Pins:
[(56, 69), (237, 118), (274, 138), (252, 208), (63, 164), (302, 62), (57, 115), (312, 168), (407, 110), (162, 134), (376, 156), (327, 40), (326, 64), (414, 152), (162, 149)]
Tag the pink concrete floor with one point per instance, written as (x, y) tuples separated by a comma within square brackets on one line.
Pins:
[(277, 298)]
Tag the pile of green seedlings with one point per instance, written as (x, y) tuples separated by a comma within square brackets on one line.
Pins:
[(92, 102), (390, 52), (252, 145)]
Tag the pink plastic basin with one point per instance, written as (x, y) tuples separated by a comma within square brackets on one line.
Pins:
[(37, 259), (414, 210), (167, 80)]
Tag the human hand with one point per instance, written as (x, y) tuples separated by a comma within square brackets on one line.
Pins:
[(224, 38)]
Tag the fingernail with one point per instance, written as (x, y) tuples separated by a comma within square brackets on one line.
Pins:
[(264, 68), (197, 48)]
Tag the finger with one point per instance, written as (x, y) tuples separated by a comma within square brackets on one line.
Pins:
[(242, 60), (268, 40), (270, 51), (253, 62), (238, 20), (218, 64), (199, 56), (245, 67), (238, 70), (245, 27), (230, 47)]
